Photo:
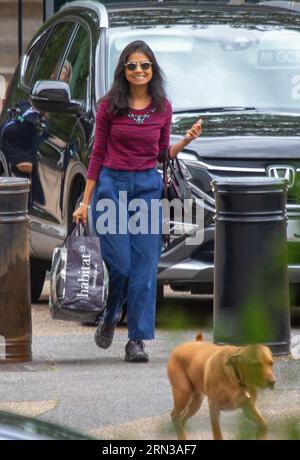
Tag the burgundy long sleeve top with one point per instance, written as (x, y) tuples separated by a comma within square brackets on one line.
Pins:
[(130, 142)]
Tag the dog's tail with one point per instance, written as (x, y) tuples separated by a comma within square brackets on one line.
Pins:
[(199, 337)]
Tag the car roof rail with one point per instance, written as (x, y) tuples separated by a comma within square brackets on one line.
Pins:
[(292, 6), (100, 7), (97, 7)]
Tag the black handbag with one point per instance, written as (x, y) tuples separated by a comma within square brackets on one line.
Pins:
[(175, 185), (79, 278)]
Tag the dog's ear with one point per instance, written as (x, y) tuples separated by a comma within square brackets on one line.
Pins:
[(199, 337)]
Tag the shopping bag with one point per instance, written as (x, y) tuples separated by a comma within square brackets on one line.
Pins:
[(79, 278)]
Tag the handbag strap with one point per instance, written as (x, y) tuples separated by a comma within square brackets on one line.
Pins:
[(168, 163), (165, 172), (76, 228)]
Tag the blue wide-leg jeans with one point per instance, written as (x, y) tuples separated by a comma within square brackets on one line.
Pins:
[(130, 235)]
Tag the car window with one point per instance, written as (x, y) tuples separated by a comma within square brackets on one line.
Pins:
[(49, 63), (76, 68), (32, 58), (219, 65)]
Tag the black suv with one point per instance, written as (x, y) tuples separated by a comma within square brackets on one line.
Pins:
[(235, 66)]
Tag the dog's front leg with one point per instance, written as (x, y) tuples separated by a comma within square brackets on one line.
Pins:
[(215, 421), (178, 425), (252, 412)]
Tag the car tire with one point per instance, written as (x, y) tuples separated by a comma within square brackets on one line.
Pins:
[(123, 315), (37, 279)]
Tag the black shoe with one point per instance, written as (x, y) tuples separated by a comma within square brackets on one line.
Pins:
[(135, 352), (104, 334)]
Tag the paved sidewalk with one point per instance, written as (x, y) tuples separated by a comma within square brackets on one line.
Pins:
[(72, 382)]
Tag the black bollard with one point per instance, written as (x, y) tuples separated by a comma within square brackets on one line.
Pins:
[(251, 291), (15, 308)]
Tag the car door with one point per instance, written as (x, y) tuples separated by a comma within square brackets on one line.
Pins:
[(77, 69), (54, 133), (57, 153), (42, 61)]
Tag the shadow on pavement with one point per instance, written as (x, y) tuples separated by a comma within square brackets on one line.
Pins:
[(182, 310)]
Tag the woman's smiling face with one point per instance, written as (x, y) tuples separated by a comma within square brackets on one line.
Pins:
[(138, 77)]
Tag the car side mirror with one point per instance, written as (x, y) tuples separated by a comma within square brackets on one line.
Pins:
[(53, 96)]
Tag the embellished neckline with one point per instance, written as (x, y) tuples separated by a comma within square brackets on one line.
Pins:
[(140, 119)]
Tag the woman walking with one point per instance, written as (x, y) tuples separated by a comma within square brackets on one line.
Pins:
[(132, 131)]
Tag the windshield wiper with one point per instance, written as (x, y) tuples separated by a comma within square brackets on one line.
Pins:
[(214, 109)]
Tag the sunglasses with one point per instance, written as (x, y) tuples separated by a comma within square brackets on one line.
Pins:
[(132, 66)]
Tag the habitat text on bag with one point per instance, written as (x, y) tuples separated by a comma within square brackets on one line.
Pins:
[(78, 279)]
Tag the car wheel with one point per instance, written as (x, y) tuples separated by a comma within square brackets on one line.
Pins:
[(123, 315), (37, 279)]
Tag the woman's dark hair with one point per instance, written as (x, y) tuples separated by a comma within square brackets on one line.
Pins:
[(119, 92)]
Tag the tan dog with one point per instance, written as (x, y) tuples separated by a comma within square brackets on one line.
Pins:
[(229, 376)]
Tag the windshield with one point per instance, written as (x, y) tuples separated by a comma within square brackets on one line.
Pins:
[(221, 65)]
